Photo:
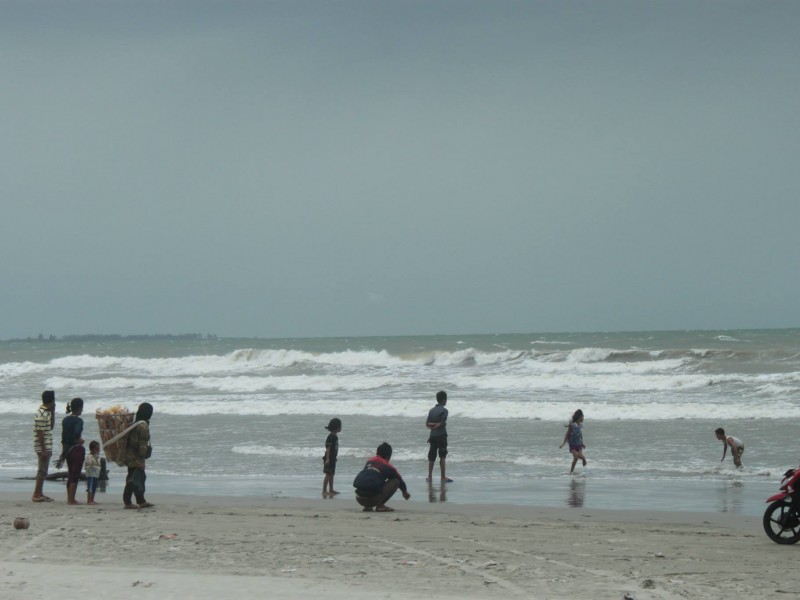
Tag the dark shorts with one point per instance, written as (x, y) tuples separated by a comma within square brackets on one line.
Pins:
[(330, 468), (736, 453), (438, 446), (369, 498)]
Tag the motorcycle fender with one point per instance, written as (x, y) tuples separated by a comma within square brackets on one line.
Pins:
[(779, 496)]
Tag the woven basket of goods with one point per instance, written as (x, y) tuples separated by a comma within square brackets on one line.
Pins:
[(114, 424)]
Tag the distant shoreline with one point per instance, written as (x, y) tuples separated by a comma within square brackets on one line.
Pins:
[(95, 337), (114, 337)]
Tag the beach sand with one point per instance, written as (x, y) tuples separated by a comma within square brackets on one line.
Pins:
[(301, 549)]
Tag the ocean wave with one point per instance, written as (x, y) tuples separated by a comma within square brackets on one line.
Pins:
[(555, 381), (80, 386), (244, 384), (471, 356), (18, 369), (250, 360), (520, 382), (726, 338)]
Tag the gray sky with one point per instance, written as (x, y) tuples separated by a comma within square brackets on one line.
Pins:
[(364, 168)]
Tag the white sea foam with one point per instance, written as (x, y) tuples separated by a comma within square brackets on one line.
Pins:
[(590, 355), (65, 384), (327, 383), (240, 361), (618, 384), (18, 369), (482, 410), (726, 338), (641, 377), (247, 361)]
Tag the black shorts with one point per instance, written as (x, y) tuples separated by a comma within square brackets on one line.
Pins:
[(438, 445), (330, 468)]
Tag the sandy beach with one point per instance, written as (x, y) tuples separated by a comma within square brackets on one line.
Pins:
[(211, 547)]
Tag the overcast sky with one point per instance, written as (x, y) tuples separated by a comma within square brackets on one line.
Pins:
[(323, 168)]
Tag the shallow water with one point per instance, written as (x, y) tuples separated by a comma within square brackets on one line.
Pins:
[(246, 417)]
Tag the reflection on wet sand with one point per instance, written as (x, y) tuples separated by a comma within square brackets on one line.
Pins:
[(438, 493), (577, 492), (731, 497)]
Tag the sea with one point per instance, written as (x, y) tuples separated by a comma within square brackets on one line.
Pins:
[(246, 417)]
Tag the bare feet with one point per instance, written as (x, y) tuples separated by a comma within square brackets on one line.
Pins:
[(367, 509), (384, 509), (131, 507), (146, 505), (92, 503), (41, 499), (74, 503), (334, 492)]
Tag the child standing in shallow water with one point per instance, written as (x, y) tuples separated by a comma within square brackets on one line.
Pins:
[(574, 435), (329, 460), (92, 464)]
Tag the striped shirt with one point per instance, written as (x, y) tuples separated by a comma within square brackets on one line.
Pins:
[(42, 422)]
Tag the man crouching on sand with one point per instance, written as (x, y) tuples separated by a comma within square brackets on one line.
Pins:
[(378, 481)]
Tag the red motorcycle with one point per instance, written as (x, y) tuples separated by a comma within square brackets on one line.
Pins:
[(781, 520)]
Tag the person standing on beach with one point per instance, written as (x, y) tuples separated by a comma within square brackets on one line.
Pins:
[(329, 460), (93, 466), (437, 440), (737, 446), (43, 422), (378, 481), (136, 452), (72, 446), (574, 435)]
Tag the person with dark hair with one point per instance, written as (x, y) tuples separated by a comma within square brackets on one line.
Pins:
[(72, 446), (43, 422), (137, 451), (329, 460), (93, 469), (378, 481), (736, 445), (574, 435), (437, 439)]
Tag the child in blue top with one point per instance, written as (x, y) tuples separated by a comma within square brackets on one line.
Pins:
[(574, 435)]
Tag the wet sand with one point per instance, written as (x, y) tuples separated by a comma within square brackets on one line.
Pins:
[(212, 547)]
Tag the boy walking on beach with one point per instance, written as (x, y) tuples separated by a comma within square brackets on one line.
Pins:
[(43, 422), (737, 446), (437, 424)]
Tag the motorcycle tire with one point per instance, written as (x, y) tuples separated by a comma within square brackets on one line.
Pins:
[(782, 524)]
